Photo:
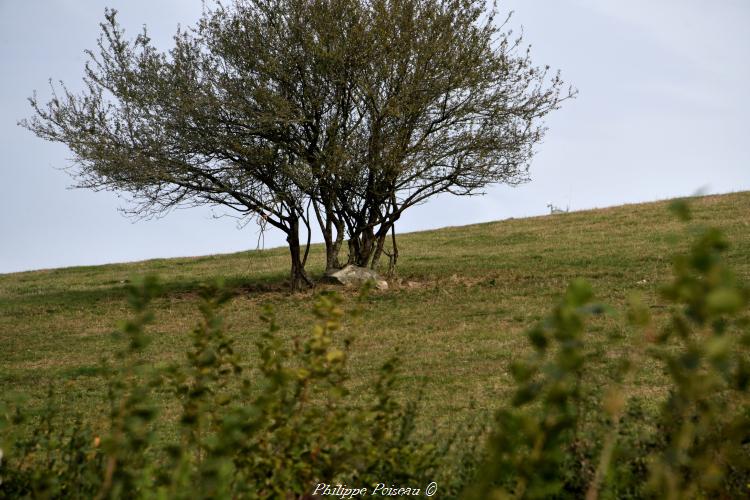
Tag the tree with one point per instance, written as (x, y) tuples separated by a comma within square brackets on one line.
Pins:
[(443, 102), (358, 110)]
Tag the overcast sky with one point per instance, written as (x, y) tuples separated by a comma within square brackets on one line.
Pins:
[(662, 111)]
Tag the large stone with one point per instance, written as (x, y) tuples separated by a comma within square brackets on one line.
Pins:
[(356, 276)]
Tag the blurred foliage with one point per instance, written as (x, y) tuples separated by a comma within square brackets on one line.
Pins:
[(553, 442), (272, 432)]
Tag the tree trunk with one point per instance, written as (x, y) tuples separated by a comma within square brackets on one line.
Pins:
[(298, 278), (366, 248), (380, 238), (393, 256), (362, 248), (378, 249), (333, 246), (353, 251)]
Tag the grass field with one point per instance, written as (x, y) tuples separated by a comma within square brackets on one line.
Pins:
[(455, 314)]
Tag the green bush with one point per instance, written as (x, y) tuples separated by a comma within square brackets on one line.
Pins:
[(552, 442), (273, 432), (279, 429)]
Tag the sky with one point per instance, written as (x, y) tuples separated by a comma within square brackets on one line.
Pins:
[(662, 111)]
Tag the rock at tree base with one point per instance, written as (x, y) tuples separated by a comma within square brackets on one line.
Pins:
[(354, 275)]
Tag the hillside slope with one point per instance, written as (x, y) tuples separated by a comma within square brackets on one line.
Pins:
[(455, 315)]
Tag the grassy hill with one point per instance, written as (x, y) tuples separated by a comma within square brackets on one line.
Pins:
[(455, 314)]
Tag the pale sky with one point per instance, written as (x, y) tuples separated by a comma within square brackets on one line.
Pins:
[(662, 112)]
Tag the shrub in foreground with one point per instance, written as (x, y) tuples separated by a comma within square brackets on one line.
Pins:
[(551, 442), (270, 432)]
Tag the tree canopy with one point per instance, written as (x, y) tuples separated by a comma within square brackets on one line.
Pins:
[(341, 113)]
